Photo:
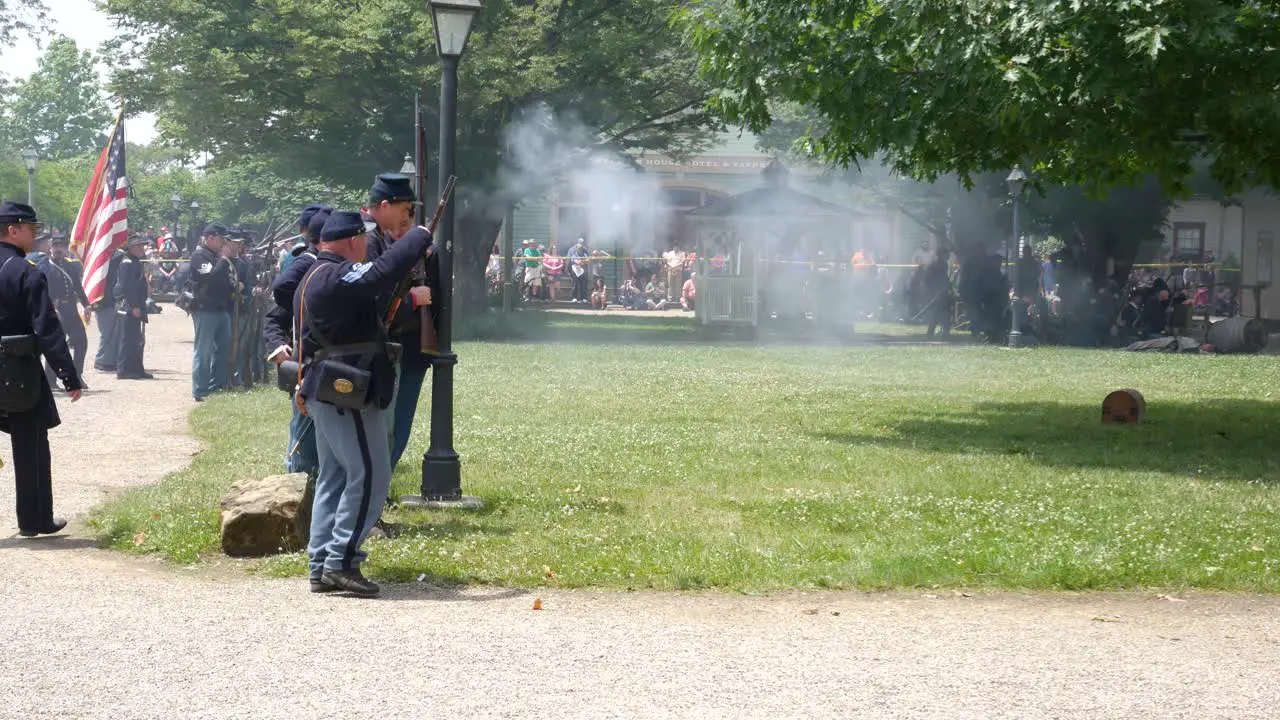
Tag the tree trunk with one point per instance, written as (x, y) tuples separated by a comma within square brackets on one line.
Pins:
[(474, 236)]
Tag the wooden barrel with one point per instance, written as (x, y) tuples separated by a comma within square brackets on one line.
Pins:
[(1238, 335), (1124, 407)]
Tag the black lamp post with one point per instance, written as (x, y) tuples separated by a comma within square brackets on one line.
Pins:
[(195, 222), (1017, 181), (441, 468), (30, 157), (176, 200)]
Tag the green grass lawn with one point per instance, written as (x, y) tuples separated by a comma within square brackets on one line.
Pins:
[(679, 465)]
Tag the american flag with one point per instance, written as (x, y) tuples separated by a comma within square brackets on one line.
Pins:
[(103, 222)]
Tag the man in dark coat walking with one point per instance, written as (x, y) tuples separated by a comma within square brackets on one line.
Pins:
[(27, 316), (132, 294), (65, 277)]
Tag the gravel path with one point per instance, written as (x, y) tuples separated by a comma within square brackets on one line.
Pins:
[(90, 634)]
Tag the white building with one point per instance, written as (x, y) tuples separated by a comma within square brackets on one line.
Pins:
[(1244, 231)]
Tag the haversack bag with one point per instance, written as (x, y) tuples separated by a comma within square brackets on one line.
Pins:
[(341, 384)]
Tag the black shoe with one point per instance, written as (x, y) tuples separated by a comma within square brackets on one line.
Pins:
[(199, 399), (351, 581), (58, 524), (136, 376), (318, 585), (104, 368)]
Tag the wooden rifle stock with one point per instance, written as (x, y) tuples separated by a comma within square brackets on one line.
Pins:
[(429, 338)]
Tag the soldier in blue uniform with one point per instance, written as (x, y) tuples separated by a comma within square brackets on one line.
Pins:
[(307, 242), (27, 318), (104, 311), (132, 295), (302, 455), (65, 277), (391, 205), (347, 383), (214, 289), (41, 250)]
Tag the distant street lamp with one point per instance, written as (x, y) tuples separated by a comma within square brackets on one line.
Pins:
[(441, 468), (30, 157), (1017, 181), (410, 169)]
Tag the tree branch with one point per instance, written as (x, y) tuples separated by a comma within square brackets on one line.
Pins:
[(652, 121)]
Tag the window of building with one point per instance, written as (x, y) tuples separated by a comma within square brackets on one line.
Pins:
[(1188, 241)]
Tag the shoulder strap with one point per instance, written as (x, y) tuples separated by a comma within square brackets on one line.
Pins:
[(302, 318), (297, 337)]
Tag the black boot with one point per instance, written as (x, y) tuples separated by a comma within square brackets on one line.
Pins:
[(55, 526), (318, 585), (351, 581)]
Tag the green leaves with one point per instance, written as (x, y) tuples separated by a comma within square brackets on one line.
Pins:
[(1094, 93), (325, 88), (59, 110), (19, 16)]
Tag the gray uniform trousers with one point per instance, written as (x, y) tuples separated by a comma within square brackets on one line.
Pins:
[(354, 478)]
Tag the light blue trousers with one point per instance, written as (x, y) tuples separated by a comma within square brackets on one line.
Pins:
[(212, 353), (355, 476), (302, 435)]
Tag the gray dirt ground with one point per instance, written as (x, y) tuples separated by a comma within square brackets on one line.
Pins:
[(89, 634)]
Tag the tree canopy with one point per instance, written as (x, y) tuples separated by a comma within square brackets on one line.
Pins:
[(19, 16), (59, 109), (324, 88), (1082, 92)]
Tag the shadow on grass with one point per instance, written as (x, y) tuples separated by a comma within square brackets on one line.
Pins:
[(419, 524), (629, 328), (1210, 439)]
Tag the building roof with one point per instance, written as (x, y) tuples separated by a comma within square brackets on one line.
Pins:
[(774, 201)]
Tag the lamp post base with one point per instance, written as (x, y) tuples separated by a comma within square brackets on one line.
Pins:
[(1016, 340), (508, 296), (462, 502)]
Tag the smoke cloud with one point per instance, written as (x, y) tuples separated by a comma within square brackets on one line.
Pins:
[(604, 198)]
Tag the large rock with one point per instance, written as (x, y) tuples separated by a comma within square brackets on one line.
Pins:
[(259, 517)]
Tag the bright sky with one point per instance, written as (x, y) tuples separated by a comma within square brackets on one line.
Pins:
[(81, 21)]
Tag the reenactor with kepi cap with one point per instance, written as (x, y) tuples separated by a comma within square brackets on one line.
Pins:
[(132, 296), (347, 384), (29, 328)]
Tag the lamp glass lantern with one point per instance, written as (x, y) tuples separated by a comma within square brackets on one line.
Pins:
[(1017, 180), (176, 199), (30, 157), (409, 168), (452, 20), (195, 206)]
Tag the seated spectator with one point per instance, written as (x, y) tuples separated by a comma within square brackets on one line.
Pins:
[(630, 296), (656, 293), (599, 296), (689, 293)]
